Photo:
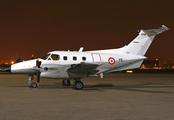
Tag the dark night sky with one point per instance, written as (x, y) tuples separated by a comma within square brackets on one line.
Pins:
[(39, 26)]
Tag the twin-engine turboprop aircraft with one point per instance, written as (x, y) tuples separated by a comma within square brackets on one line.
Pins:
[(75, 65)]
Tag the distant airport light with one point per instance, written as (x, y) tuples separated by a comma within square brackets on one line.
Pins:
[(129, 71)]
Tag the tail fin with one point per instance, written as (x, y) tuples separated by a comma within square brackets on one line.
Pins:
[(141, 43)]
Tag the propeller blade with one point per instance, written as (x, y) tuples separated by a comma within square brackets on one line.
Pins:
[(38, 78), (16, 56), (32, 56), (38, 63), (21, 59), (13, 57), (17, 59)]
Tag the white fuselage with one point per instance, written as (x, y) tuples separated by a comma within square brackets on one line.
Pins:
[(57, 68)]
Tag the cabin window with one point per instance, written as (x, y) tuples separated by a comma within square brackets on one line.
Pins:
[(84, 58), (55, 57), (65, 58), (74, 58)]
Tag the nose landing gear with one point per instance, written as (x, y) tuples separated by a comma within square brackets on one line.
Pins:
[(32, 84)]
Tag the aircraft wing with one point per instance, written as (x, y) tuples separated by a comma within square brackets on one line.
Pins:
[(74, 70), (83, 70)]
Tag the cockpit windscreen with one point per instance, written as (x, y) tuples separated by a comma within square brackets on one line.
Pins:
[(45, 56)]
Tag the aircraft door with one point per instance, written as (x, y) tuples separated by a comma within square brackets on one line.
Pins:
[(96, 58)]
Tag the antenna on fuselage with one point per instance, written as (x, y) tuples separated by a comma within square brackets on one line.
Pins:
[(81, 49)]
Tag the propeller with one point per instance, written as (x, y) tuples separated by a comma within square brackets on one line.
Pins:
[(17, 59), (38, 63), (32, 56)]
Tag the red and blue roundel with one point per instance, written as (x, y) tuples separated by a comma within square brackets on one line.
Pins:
[(111, 61)]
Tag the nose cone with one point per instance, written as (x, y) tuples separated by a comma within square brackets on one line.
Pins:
[(8, 69)]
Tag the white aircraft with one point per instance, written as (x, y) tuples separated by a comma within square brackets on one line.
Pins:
[(75, 65)]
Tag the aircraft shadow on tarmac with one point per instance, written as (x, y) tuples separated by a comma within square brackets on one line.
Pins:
[(146, 87)]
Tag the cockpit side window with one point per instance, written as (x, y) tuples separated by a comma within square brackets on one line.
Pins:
[(55, 57)]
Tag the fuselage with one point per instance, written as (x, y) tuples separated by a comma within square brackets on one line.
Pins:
[(55, 64)]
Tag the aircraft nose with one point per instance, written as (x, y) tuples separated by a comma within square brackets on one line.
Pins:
[(8, 69)]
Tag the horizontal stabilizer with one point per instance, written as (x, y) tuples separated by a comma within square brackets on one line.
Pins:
[(155, 31)]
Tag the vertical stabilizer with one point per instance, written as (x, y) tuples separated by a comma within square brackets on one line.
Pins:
[(141, 43)]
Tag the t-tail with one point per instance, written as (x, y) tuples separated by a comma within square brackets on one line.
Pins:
[(140, 44)]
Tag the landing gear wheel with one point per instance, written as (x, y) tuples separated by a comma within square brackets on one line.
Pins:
[(79, 85), (33, 85), (66, 83)]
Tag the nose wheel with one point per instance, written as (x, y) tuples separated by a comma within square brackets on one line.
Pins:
[(33, 85)]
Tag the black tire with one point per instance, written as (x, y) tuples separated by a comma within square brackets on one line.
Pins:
[(33, 85), (66, 83), (79, 85)]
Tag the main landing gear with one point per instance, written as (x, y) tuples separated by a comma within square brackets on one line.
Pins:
[(78, 85)]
